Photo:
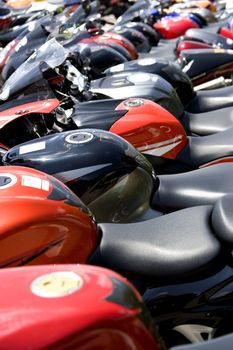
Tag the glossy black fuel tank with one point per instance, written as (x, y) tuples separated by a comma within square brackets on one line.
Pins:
[(204, 64), (149, 32), (138, 39), (137, 84), (103, 57), (162, 67), (107, 173)]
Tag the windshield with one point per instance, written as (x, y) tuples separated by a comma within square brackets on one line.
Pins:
[(29, 72)]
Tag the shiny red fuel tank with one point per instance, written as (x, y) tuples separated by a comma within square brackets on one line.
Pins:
[(150, 128), (189, 45), (170, 28), (71, 307), (109, 37), (42, 221)]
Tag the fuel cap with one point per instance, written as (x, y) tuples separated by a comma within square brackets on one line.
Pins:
[(79, 137), (56, 284), (134, 102), (7, 180)]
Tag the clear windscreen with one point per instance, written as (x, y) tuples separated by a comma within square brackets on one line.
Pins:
[(53, 53)]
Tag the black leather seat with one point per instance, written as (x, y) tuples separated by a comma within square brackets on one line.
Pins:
[(198, 187), (208, 123), (171, 246), (164, 49), (201, 150), (211, 99)]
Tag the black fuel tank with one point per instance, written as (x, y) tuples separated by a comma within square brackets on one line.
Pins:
[(138, 84), (162, 67), (102, 168), (201, 65)]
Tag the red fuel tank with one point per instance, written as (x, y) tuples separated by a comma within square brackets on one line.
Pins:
[(170, 28), (189, 45), (150, 128), (42, 221), (72, 307)]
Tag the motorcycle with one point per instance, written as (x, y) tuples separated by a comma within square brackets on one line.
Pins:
[(112, 116), (185, 282), (99, 299), (182, 263), (38, 114), (199, 66), (122, 44), (146, 125), (120, 86), (124, 84), (213, 39), (219, 66), (105, 171), (175, 25), (83, 116)]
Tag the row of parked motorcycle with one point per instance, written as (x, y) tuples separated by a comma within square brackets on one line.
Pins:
[(116, 151)]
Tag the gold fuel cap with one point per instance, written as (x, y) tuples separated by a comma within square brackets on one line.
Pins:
[(56, 284)]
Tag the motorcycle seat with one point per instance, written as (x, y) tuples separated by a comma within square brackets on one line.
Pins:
[(210, 100), (222, 219), (171, 246), (198, 187), (201, 150), (208, 123), (162, 50)]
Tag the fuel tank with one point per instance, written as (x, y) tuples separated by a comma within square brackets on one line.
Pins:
[(138, 39), (145, 124), (168, 70), (145, 29), (170, 28), (206, 64), (116, 41), (84, 299), (190, 45), (137, 84), (101, 167), (102, 57), (47, 223), (217, 41)]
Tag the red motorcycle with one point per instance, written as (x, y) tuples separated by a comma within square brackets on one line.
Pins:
[(72, 307)]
